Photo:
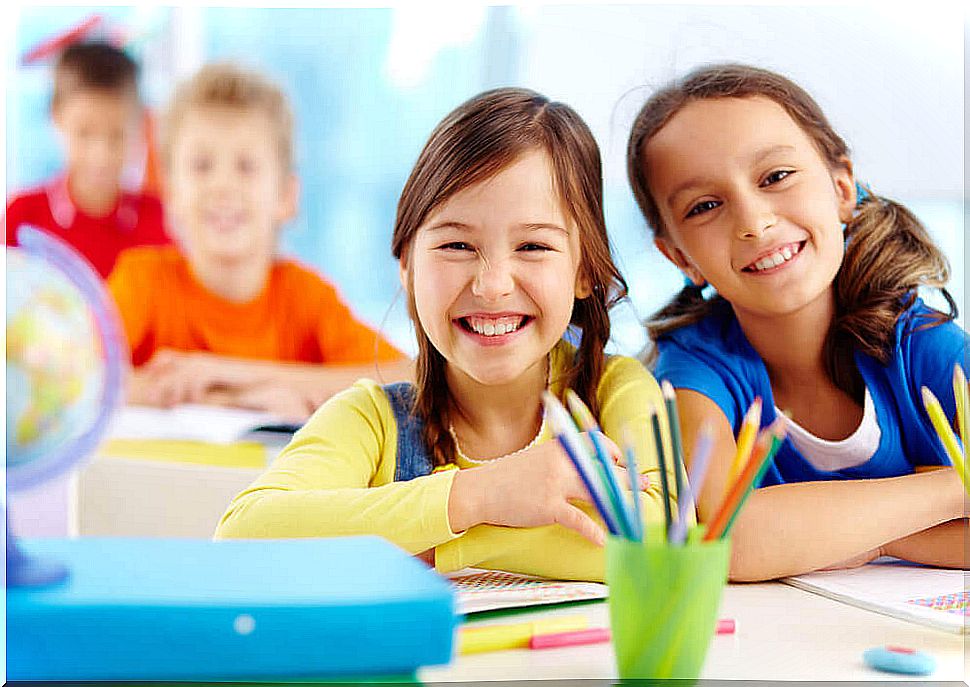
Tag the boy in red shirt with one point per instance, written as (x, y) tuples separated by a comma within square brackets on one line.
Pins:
[(95, 108)]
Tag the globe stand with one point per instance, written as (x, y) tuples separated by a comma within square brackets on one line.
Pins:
[(24, 570)]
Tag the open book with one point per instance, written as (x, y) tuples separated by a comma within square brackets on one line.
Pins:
[(190, 422), (491, 590), (921, 594)]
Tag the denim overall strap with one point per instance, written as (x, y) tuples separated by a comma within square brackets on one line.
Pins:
[(413, 459)]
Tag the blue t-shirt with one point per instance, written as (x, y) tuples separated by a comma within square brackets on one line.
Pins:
[(714, 358)]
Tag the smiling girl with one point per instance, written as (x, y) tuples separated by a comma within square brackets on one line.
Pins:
[(749, 190), (502, 247)]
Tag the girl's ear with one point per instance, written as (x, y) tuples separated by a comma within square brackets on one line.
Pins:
[(403, 270), (583, 288), (683, 263), (844, 181)]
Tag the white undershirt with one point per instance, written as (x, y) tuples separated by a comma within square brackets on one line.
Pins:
[(830, 456)]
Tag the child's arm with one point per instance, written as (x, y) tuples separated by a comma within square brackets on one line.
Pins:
[(790, 529), (336, 478), (945, 546), (292, 390)]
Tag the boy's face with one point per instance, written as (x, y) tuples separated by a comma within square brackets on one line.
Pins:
[(227, 192), (96, 127)]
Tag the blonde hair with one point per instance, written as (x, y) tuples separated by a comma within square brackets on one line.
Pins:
[(231, 86), (888, 253)]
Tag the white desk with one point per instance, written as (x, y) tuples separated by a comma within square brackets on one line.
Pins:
[(783, 633)]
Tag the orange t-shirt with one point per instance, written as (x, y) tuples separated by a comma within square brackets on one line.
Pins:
[(298, 316)]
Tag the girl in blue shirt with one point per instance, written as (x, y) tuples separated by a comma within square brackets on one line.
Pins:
[(749, 190)]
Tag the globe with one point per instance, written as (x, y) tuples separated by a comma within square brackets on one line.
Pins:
[(64, 361)]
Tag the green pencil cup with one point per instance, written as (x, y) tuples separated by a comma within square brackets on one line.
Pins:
[(663, 603)]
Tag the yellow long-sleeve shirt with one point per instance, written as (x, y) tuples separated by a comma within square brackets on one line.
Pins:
[(336, 477)]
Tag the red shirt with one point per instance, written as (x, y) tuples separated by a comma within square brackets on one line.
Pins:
[(136, 220)]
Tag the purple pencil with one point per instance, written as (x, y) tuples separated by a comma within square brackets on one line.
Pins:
[(695, 480)]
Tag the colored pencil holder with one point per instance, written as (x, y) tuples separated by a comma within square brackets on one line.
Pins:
[(664, 603)]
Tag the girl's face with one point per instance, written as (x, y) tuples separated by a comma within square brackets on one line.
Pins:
[(494, 272), (749, 204)]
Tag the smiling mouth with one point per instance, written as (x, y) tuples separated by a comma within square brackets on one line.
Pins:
[(776, 259), (498, 326)]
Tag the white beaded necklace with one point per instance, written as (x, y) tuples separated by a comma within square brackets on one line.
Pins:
[(535, 439)]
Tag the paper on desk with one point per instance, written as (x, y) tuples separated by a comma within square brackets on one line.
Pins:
[(187, 422), (490, 590), (929, 596)]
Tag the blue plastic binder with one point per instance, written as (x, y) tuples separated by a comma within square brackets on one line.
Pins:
[(166, 609)]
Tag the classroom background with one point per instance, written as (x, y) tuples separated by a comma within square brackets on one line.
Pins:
[(368, 84)]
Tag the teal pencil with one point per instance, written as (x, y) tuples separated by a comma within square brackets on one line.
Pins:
[(673, 419), (633, 473), (587, 423), (662, 460)]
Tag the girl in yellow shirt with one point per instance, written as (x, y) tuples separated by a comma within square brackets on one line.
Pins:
[(504, 255)]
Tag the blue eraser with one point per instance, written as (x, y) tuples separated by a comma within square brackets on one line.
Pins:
[(891, 659)]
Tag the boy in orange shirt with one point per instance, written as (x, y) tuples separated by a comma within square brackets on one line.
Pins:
[(95, 108), (221, 318)]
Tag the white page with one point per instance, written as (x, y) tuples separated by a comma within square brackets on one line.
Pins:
[(489, 590), (925, 595), (187, 422)]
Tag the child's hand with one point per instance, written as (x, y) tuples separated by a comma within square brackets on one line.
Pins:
[(528, 489), (286, 402), (173, 377)]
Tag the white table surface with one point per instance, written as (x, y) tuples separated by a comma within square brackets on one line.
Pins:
[(782, 633)]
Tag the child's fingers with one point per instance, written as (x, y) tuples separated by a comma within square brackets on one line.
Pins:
[(623, 479), (612, 450), (575, 519)]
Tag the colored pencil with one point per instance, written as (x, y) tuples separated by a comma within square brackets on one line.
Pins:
[(700, 460), (634, 475), (662, 460), (586, 422), (960, 394), (673, 420), (777, 436), (569, 439), (740, 487), (555, 640), (945, 432), (746, 437)]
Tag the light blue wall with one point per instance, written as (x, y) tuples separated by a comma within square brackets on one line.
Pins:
[(368, 85)]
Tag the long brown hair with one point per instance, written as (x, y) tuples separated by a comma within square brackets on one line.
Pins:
[(476, 141), (888, 252)]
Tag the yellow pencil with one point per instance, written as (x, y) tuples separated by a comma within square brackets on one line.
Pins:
[(746, 437), (945, 432), (960, 394)]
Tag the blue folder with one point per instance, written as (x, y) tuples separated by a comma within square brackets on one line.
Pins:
[(180, 609)]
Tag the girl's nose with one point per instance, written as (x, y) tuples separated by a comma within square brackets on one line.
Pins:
[(754, 218), (494, 279)]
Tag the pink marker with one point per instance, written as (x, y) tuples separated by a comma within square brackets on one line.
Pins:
[(575, 638), (725, 626)]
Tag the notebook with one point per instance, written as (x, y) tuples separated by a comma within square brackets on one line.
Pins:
[(181, 609), (492, 590), (194, 422), (930, 596)]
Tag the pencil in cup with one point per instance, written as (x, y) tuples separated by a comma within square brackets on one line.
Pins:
[(746, 438), (572, 444), (766, 446), (676, 445), (664, 602), (945, 433), (700, 461), (587, 423)]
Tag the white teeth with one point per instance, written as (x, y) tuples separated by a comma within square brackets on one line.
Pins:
[(493, 328), (775, 259)]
